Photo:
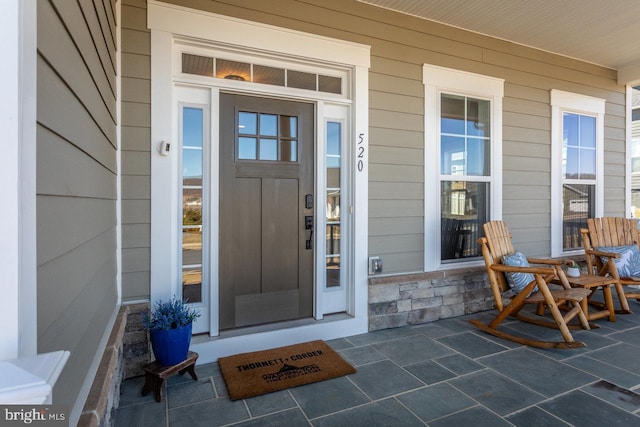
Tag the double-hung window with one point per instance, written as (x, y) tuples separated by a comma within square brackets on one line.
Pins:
[(463, 150), (577, 147)]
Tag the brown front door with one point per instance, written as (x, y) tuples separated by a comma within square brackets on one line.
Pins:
[(266, 210)]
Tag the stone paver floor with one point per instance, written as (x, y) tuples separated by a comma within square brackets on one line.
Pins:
[(444, 373)]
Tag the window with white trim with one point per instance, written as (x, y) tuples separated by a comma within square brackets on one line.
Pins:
[(463, 128), (577, 157)]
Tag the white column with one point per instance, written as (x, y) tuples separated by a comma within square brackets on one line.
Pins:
[(17, 174)]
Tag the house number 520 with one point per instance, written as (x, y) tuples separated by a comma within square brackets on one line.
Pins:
[(360, 153)]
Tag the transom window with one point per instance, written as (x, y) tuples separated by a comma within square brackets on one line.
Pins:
[(249, 72), (267, 137)]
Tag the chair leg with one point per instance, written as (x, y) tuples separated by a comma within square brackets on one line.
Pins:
[(624, 304)]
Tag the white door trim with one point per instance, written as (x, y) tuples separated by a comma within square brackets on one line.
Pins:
[(168, 21)]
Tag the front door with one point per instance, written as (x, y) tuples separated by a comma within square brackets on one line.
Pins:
[(266, 210)]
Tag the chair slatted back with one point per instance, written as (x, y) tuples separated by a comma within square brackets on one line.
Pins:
[(612, 231), (498, 244), (605, 232)]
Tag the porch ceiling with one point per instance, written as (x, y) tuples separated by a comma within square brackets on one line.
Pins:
[(606, 33)]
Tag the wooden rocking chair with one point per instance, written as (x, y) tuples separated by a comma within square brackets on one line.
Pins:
[(496, 245), (611, 232)]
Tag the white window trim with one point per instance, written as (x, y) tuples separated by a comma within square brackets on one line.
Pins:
[(562, 102), (439, 80), (169, 23)]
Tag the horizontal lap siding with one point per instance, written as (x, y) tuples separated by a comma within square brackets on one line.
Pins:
[(400, 45), (136, 154), (76, 183)]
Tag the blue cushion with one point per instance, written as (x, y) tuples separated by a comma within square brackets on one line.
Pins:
[(518, 281), (628, 264)]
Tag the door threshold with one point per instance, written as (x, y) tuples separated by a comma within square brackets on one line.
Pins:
[(250, 330)]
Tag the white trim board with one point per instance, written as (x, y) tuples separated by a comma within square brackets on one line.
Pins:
[(172, 26)]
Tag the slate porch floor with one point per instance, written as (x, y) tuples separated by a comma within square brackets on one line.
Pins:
[(445, 373)]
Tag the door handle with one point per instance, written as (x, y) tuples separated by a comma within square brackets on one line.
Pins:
[(308, 225)]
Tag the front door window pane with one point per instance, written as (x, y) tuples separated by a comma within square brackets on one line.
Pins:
[(267, 137), (247, 123), (247, 149), (268, 149), (268, 125)]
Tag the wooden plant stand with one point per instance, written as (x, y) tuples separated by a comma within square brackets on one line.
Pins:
[(155, 374)]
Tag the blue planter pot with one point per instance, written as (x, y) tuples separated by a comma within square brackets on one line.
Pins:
[(171, 346)]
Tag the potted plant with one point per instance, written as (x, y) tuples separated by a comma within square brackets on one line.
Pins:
[(170, 330), (574, 269)]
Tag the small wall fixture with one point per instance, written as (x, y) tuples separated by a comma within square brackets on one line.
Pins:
[(234, 77), (375, 265), (164, 148)]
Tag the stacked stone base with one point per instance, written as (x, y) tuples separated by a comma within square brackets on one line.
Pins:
[(126, 352), (396, 301)]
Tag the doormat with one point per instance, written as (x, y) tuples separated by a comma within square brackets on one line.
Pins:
[(260, 372)]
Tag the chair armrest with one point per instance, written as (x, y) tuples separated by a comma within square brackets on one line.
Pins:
[(602, 253), (513, 269), (545, 261)]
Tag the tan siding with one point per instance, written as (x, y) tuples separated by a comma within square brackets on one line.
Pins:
[(76, 186), (396, 138), (396, 190), (137, 285), (135, 138), (136, 153), (406, 225), (74, 122), (400, 45), (136, 235), (136, 211), (136, 163), (135, 260), (73, 55), (65, 169), (136, 90)]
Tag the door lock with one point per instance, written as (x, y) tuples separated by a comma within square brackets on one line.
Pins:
[(308, 225)]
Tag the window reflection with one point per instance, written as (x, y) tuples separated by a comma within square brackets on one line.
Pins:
[(192, 192), (464, 208), (579, 146), (247, 123), (333, 218), (268, 125), (579, 203), (268, 149), (465, 131)]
